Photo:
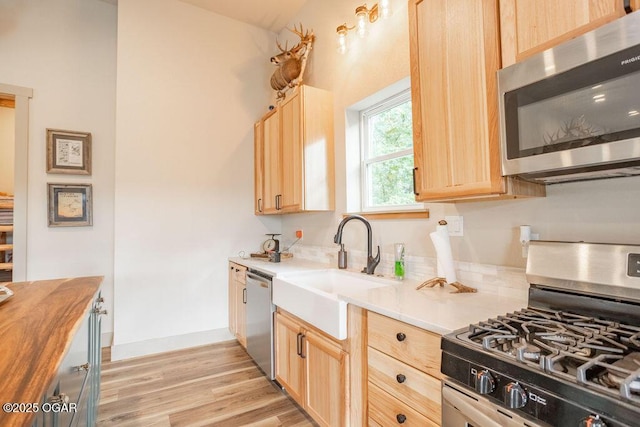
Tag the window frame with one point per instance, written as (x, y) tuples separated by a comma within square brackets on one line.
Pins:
[(365, 159)]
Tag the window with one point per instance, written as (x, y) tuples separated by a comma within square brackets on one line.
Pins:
[(387, 155)]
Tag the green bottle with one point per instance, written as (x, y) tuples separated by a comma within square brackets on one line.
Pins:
[(398, 270)]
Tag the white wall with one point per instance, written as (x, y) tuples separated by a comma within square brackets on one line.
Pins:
[(190, 86), (65, 51), (7, 132), (605, 211)]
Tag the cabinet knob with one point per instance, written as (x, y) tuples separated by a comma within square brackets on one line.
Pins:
[(401, 418), (84, 367), (400, 336), (401, 378), (58, 398)]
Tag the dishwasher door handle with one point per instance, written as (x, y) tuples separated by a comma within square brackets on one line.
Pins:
[(266, 281)]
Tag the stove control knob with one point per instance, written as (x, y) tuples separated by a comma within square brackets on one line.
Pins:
[(592, 421), (514, 396), (485, 383)]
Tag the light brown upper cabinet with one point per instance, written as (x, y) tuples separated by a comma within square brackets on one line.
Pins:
[(455, 54), (271, 167), (258, 162), (297, 169), (528, 27)]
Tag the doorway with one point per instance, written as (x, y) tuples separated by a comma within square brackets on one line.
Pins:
[(13, 205), (7, 160)]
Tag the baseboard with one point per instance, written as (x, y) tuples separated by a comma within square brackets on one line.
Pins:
[(161, 345), (106, 339)]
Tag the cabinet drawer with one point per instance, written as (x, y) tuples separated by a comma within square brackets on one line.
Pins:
[(239, 273), (412, 345), (411, 386), (386, 410)]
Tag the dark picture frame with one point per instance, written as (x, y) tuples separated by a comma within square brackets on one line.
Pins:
[(68, 152), (70, 205)]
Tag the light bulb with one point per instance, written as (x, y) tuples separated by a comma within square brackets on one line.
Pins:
[(342, 38), (385, 8), (361, 20)]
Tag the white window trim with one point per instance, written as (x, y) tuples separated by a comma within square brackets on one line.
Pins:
[(392, 101)]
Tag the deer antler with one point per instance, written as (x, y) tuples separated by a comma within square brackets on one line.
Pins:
[(286, 46), (305, 37)]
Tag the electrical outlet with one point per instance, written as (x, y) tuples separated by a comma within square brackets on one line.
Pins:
[(299, 234), (455, 225)]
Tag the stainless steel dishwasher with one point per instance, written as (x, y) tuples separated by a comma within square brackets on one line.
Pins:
[(260, 318)]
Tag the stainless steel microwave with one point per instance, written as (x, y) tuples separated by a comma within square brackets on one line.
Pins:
[(572, 112)]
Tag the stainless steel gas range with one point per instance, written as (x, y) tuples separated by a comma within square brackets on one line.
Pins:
[(571, 358)]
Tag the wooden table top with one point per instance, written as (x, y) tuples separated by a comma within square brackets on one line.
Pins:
[(37, 325)]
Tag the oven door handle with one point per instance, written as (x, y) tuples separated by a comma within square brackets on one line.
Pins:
[(474, 413)]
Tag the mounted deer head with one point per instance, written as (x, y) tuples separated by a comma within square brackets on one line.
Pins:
[(291, 62)]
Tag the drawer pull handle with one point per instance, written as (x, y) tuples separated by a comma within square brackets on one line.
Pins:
[(401, 378), (401, 418), (400, 336), (299, 344)]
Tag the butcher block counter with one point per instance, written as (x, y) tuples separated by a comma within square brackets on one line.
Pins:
[(39, 329)]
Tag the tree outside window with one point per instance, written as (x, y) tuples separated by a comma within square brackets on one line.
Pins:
[(387, 155)]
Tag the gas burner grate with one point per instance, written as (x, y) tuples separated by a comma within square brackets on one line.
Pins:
[(613, 374), (556, 342)]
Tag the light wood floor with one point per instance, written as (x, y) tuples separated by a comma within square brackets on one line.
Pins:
[(204, 386)]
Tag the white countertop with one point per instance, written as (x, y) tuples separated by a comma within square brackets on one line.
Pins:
[(286, 265), (434, 309)]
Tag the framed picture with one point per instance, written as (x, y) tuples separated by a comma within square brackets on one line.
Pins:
[(70, 205), (68, 152)]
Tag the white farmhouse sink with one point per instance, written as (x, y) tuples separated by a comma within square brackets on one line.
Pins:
[(313, 296)]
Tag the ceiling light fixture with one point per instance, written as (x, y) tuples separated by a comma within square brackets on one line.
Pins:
[(364, 17)]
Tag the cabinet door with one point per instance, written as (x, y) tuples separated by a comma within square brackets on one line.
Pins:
[(528, 27), (241, 322), (454, 58), (233, 328), (327, 380), (258, 167), (289, 363), (272, 162), (291, 128)]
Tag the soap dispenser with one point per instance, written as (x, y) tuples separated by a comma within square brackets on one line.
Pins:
[(342, 257)]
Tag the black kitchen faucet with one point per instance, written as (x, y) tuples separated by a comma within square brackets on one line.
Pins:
[(372, 262)]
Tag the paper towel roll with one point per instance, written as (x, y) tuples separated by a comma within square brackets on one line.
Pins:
[(444, 257)]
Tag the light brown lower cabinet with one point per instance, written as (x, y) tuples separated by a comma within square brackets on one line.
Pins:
[(237, 302), (313, 368), (385, 410), (404, 376)]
